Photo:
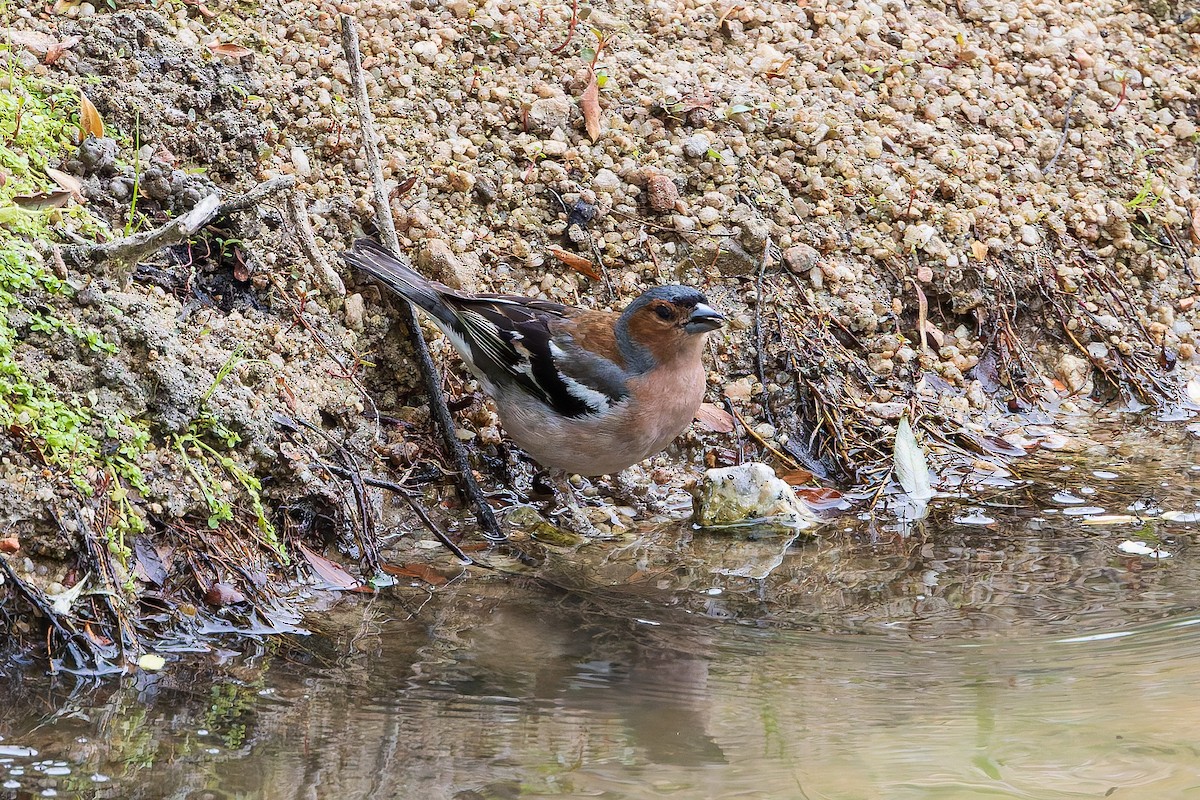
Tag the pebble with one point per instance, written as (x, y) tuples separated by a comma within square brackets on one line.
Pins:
[(800, 258), (662, 193), (605, 180), (696, 146), (436, 259), (354, 311), (548, 114), (1030, 235)]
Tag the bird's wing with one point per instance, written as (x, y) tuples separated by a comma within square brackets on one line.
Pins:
[(528, 342)]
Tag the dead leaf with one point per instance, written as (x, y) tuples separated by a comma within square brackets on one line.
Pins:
[(938, 337), (59, 49), (234, 51), (820, 497), (796, 477), (223, 594), (422, 572), (97, 639), (589, 103), (405, 187), (1196, 225), (68, 183), (10, 544), (979, 250), (333, 574), (90, 123), (715, 418), (578, 263), (723, 22), (42, 200)]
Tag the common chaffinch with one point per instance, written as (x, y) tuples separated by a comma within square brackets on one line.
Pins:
[(589, 392)]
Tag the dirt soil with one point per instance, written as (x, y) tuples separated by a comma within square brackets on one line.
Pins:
[(983, 214)]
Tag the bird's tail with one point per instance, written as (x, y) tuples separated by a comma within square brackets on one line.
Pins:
[(373, 259)]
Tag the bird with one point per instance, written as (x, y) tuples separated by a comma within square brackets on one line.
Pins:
[(581, 391)]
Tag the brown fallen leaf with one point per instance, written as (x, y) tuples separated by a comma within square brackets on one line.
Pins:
[(59, 49), (68, 183), (938, 337), (979, 250), (10, 544), (578, 263), (820, 497), (234, 51), (98, 639), (422, 572), (1196, 225), (333, 574), (589, 103), (723, 22), (715, 418), (90, 123), (404, 187), (42, 200), (796, 477), (223, 594)]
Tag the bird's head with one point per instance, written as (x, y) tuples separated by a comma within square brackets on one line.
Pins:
[(669, 321)]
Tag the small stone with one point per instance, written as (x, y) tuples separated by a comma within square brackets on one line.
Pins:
[(606, 181), (684, 223), (663, 193), (300, 162), (354, 311), (549, 113), (426, 51), (800, 258), (1072, 371), (1030, 235), (461, 180), (696, 146), (552, 148), (436, 259), (708, 216), (730, 496)]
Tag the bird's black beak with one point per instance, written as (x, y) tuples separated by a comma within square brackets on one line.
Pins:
[(703, 319)]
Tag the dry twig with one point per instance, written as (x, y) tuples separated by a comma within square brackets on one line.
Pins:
[(383, 212), (120, 257)]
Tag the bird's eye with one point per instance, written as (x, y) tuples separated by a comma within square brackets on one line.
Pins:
[(664, 312)]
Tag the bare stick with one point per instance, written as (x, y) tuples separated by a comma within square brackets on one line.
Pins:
[(1046, 170), (120, 257), (387, 227), (296, 208), (417, 508)]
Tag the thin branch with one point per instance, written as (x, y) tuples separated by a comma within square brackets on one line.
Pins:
[(417, 508), (1046, 170), (120, 257), (429, 374), (296, 209)]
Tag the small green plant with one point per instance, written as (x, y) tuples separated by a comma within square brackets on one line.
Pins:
[(37, 125), (1146, 198), (199, 455)]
